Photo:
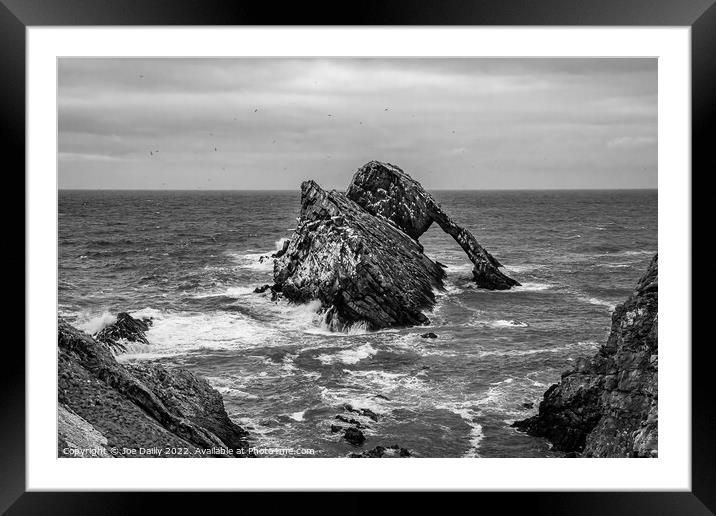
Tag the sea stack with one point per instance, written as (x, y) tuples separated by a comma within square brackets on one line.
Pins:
[(358, 252), (607, 406)]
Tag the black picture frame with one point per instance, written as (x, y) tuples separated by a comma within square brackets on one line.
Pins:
[(700, 15)]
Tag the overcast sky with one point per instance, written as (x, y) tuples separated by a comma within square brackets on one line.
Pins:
[(271, 123)]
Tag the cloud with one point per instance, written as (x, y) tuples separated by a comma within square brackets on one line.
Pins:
[(271, 123), (631, 142)]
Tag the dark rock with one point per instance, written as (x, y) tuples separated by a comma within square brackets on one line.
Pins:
[(384, 189), (262, 289), (336, 428), (125, 328), (440, 264), (282, 251), (358, 254), (380, 452), (350, 421), (381, 396), (354, 436), (429, 335), (607, 405), (363, 412), (528, 405), (139, 406)]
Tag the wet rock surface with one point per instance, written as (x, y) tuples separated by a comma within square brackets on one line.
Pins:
[(354, 436), (607, 406), (125, 329), (380, 452), (359, 255), (117, 407)]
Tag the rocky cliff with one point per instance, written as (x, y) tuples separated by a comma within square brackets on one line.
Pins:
[(358, 252), (607, 406), (108, 409)]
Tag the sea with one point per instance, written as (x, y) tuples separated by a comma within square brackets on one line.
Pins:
[(191, 260)]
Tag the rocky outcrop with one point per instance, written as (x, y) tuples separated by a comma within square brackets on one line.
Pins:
[(607, 406), (358, 252), (380, 452), (125, 329), (385, 190), (122, 409)]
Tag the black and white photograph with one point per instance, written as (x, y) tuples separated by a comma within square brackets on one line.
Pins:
[(331, 257)]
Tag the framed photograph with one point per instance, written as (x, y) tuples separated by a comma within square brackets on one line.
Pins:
[(293, 242)]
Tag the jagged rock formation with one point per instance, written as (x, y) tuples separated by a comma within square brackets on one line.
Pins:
[(384, 189), (608, 405), (108, 406), (125, 329), (359, 255)]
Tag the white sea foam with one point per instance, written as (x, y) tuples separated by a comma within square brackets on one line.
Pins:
[(469, 415), (450, 290), (91, 324), (458, 268), (255, 261), (358, 328), (385, 382), (577, 346), (530, 287), (298, 416), (348, 356), (178, 332), (625, 253), (342, 396), (234, 292), (504, 323), (146, 313), (599, 302), (524, 267)]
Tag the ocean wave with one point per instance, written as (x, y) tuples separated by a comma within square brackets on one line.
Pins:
[(298, 416), (611, 305), (91, 324), (348, 356), (458, 268), (450, 289), (506, 323), (261, 262), (643, 252), (385, 382), (234, 292), (469, 415), (571, 347), (338, 397), (179, 332), (358, 328), (526, 267)]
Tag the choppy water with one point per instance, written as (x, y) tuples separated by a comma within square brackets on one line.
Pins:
[(191, 260)]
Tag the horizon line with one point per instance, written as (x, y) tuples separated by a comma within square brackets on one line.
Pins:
[(298, 189)]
